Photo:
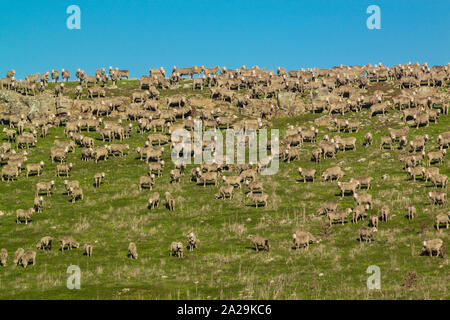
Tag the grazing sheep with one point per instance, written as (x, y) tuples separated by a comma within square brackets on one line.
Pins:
[(359, 212), (385, 212), (176, 249), (146, 181), (255, 186), (225, 192), (374, 221), (44, 187), (338, 215), (436, 156), (258, 198), (366, 234), (430, 172), (18, 255), (88, 247), (349, 186), (45, 243), (192, 241), (303, 239), (439, 180), (328, 206), (258, 241), (98, 178), (38, 204), (132, 251), (332, 173), (153, 200), (76, 193), (3, 257), (170, 201), (27, 257), (437, 198), (368, 139), (35, 167), (431, 246), (68, 241), (306, 174), (386, 141), (63, 169), (442, 218), (411, 210), (22, 214), (363, 198), (234, 181)]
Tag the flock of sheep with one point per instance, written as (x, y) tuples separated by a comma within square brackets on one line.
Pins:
[(148, 113)]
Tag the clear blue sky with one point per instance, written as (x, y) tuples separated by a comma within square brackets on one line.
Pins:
[(136, 35)]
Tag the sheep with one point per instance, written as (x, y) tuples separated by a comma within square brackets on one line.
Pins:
[(439, 180), (442, 218), (65, 74), (100, 153), (175, 175), (71, 184), (418, 143), (68, 241), (88, 248), (176, 249), (18, 256), (120, 149), (349, 186), (45, 243), (386, 141), (153, 200), (38, 204), (385, 212), (132, 251), (192, 241), (255, 186), (58, 153), (234, 181), (63, 169), (303, 239), (146, 181), (429, 172), (291, 155), (259, 241), (359, 212), (306, 174), (170, 201), (443, 140), (225, 192), (258, 198), (378, 108), (3, 257), (332, 173), (437, 198), (98, 178), (421, 119), (363, 181), (328, 206), (373, 221), (346, 142), (22, 214), (316, 155), (436, 156), (207, 177), (35, 167), (431, 246), (415, 172), (27, 257), (156, 167), (55, 75), (411, 210), (368, 139), (76, 193), (363, 198), (59, 89), (366, 234), (338, 215), (11, 134)]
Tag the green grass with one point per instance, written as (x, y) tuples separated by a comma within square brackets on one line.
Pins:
[(224, 266)]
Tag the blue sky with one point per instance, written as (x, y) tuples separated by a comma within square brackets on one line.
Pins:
[(138, 34)]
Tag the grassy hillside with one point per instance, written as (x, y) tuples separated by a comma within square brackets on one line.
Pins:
[(225, 266)]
